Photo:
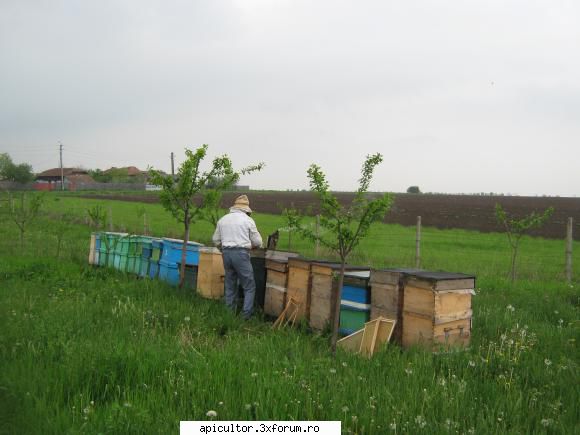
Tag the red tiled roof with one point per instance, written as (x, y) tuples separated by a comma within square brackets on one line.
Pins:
[(55, 172)]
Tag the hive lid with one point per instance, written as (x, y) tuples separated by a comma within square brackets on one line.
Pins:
[(440, 276), (179, 241), (407, 271), (336, 266), (358, 273)]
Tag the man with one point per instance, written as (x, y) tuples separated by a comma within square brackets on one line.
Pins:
[(235, 235)]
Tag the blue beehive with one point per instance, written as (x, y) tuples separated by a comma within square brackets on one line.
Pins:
[(355, 303), (156, 248), (172, 251), (168, 272)]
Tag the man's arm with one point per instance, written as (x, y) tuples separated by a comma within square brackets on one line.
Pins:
[(255, 236), (217, 237)]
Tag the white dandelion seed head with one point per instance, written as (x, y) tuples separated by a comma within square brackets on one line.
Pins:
[(547, 362), (187, 318), (333, 371), (248, 406), (345, 409), (211, 413), (254, 375)]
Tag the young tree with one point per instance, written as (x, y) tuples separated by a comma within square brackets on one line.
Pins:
[(23, 211), (178, 193), (292, 217), (97, 216), (345, 226), (516, 228)]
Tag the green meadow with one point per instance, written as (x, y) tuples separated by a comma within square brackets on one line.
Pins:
[(92, 350)]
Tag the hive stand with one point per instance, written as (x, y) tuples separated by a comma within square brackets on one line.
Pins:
[(368, 340)]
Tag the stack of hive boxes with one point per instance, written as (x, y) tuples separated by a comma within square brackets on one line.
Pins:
[(387, 295), (276, 281), (437, 309), (324, 283), (210, 278)]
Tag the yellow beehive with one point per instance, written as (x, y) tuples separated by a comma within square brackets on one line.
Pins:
[(210, 274), (437, 310)]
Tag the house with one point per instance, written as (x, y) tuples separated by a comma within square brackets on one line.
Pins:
[(73, 177)]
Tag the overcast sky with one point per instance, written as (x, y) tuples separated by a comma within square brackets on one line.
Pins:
[(459, 96)]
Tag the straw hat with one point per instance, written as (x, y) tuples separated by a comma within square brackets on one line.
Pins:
[(242, 203)]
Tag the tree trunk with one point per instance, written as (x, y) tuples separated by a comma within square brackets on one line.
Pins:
[(336, 318), (184, 255), (513, 268), (22, 239)]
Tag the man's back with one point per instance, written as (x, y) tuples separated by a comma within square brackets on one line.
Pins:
[(237, 230)]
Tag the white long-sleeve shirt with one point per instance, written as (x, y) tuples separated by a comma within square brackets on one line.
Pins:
[(237, 230)]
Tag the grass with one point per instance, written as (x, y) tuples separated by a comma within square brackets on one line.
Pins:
[(90, 350)]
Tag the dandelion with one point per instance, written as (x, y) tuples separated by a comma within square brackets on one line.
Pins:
[(409, 371), (128, 405), (420, 421), (510, 307), (211, 413), (333, 371), (442, 382), (220, 403), (344, 364), (354, 418), (547, 362), (471, 363), (186, 318), (546, 422), (345, 409), (254, 375), (86, 410), (560, 323), (248, 406)]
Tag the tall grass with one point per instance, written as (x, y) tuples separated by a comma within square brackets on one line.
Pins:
[(90, 350)]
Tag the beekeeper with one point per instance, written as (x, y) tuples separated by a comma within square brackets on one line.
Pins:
[(235, 235)]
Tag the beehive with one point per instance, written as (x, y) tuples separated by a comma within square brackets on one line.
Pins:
[(276, 264), (355, 301), (437, 309), (299, 285), (387, 296), (324, 283), (210, 274)]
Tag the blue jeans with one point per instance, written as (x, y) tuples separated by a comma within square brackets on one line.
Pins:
[(238, 268)]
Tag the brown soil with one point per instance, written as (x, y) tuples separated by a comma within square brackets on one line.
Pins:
[(440, 211)]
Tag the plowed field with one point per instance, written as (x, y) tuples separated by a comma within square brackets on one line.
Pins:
[(442, 211)]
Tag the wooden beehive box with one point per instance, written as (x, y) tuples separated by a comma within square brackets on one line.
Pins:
[(299, 285), (210, 274), (324, 283), (276, 281), (437, 309), (387, 296)]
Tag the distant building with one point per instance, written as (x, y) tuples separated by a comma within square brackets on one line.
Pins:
[(51, 179)]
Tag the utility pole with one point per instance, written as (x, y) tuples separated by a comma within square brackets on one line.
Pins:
[(61, 168), (172, 166)]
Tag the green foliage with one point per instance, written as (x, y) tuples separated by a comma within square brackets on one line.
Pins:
[(100, 176), (515, 228), (97, 215), (178, 193), (292, 219), (413, 189), (9, 171), (23, 210), (345, 226)]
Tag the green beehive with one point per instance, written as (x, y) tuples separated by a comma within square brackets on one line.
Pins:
[(121, 253)]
